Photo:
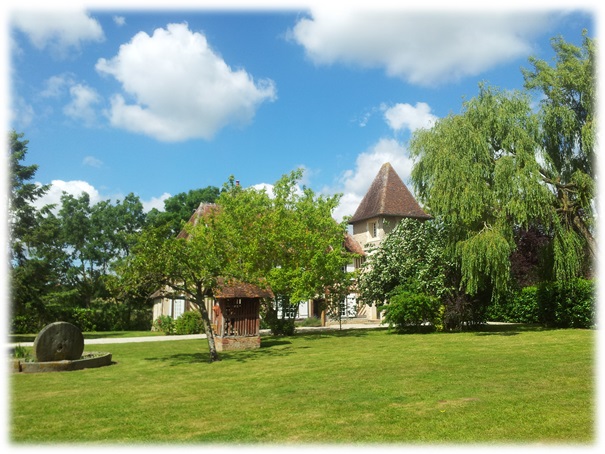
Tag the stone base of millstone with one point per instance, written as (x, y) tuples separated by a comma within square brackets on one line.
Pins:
[(88, 362)]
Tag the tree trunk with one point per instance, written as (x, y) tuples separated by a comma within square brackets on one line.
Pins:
[(590, 241), (201, 304)]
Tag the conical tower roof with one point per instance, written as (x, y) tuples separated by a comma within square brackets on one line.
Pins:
[(388, 196)]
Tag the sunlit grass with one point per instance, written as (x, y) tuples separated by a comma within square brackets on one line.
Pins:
[(363, 386)]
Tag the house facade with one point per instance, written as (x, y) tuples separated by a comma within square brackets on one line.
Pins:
[(387, 202)]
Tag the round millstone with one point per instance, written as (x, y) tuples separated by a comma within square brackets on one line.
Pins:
[(59, 341)]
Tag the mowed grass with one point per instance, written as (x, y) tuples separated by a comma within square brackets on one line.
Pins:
[(352, 387)]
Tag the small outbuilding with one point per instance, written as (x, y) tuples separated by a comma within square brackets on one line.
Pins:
[(236, 315)]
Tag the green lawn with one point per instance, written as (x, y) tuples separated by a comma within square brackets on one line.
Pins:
[(361, 386)]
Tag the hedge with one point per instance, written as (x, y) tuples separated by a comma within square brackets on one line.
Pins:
[(103, 317), (561, 304)]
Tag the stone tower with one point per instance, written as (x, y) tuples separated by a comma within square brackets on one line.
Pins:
[(386, 203)]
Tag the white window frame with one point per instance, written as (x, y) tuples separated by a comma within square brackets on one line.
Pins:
[(178, 307)]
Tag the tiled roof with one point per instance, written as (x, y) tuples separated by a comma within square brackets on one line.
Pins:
[(388, 196), (203, 210), (352, 245), (237, 289)]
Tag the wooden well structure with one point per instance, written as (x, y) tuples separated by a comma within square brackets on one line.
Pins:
[(236, 315)]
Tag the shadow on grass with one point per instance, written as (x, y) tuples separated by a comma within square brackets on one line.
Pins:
[(268, 348), (500, 329), (271, 346), (323, 334), (508, 329), (182, 358)]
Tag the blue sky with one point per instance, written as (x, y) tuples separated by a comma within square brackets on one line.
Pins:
[(117, 99)]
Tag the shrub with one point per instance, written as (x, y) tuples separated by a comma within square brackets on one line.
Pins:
[(25, 324), (409, 308), (282, 327), (165, 324), (309, 321), (567, 304), (520, 307), (85, 319), (188, 323), (462, 311)]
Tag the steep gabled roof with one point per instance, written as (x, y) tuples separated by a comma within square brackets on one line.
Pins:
[(203, 210), (388, 196)]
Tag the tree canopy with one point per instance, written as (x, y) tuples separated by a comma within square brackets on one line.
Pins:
[(288, 242), (22, 193), (179, 208), (500, 165)]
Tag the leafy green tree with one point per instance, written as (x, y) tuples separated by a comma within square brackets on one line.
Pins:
[(188, 266), (297, 247), (497, 166), (568, 139), (31, 276), (22, 213), (62, 258), (179, 208)]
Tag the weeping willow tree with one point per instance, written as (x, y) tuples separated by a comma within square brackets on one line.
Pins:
[(500, 165)]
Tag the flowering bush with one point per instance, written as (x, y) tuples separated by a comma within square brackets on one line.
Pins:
[(164, 323)]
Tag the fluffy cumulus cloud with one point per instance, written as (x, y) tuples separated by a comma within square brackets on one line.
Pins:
[(155, 202), (423, 48), (73, 187), (60, 31), (354, 183), (181, 89), (405, 116)]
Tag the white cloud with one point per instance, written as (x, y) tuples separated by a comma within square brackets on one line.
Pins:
[(55, 86), (155, 202), (22, 113), (91, 161), (354, 183), (423, 48), (266, 186), (61, 31), (181, 88), (119, 20), (405, 116), (83, 98), (73, 187)]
